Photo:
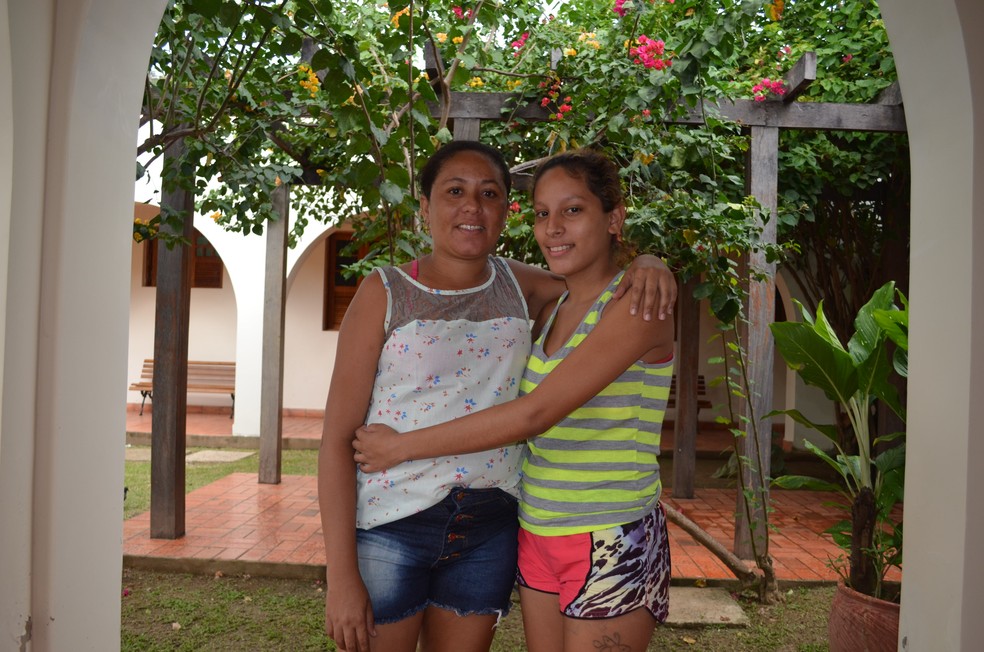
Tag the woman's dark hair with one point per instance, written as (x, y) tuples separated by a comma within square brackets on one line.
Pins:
[(437, 161), (594, 168)]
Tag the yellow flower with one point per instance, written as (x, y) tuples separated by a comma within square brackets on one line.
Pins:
[(277, 182), (476, 82), (513, 84), (457, 40), (441, 37), (396, 17), (216, 216), (569, 52), (320, 172), (137, 237)]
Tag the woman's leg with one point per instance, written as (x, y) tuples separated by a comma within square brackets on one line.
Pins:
[(400, 636), (542, 620), (445, 631), (628, 633), (469, 586)]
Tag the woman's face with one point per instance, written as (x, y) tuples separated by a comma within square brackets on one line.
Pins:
[(466, 211), (573, 230)]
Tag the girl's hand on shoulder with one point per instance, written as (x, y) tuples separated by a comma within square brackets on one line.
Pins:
[(650, 282), (377, 448)]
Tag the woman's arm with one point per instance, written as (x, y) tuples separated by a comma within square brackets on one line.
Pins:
[(615, 344), (348, 611), (647, 280)]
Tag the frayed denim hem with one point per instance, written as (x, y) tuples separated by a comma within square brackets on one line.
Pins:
[(499, 613), (411, 612)]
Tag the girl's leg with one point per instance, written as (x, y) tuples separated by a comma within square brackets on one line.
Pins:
[(542, 620), (445, 631), (629, 633)]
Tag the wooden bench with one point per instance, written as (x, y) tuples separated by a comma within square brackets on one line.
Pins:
[(203, 377), (702, 400)]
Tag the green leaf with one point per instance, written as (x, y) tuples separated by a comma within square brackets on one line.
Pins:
[(806, 482), (206, 8), (827, 430), (391, 192), (817, 360)]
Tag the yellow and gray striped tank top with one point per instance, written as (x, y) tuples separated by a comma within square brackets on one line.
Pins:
[(599, 466)]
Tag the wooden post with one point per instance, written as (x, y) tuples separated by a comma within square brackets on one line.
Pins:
[(685, 426), (272, 374), (762, 180), (168, 422)]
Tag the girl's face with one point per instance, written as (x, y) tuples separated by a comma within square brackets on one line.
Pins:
[(573, 230), (466, 211)]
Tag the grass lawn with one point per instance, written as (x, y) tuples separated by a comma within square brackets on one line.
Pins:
[(163, 611), (194, 612)]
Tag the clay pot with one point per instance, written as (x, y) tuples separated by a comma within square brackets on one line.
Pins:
[(861, 623)]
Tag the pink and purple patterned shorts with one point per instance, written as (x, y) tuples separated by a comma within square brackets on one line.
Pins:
[(605, 573)]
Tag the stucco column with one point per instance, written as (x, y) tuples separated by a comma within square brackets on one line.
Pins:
[(941, 69)]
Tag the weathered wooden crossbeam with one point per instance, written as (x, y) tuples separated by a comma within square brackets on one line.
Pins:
[(771, 113)]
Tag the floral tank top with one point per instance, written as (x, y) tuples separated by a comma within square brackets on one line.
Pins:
[(447, 353)]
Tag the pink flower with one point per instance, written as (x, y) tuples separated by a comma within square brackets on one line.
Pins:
[(458, 11), (619, 8), (544, 102), (564, 108), (847, 57), (649, 53), (766, 86), (646, 112), (514, 207)]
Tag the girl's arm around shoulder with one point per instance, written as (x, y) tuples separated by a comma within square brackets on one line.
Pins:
[(648, 281), (618, 341)]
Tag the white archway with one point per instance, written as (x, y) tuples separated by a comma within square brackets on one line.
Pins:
[(70, 83)]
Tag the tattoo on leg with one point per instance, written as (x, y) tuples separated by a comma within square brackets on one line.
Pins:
[(611, 644)]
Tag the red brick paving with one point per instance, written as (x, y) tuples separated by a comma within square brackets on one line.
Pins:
[(237, 519)]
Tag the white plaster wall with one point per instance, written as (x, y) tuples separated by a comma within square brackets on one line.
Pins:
[(75, 98), (943, 572), (309, 351), (19, 252)]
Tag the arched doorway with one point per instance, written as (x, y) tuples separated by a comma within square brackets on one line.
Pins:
[(65, 310)]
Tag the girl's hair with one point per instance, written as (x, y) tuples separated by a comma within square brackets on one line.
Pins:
[(438, 160), (600, 175)]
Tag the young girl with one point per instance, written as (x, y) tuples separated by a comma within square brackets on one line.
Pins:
[(428, 553), (594, 567)]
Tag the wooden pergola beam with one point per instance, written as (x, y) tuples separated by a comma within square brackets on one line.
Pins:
[(813, 116)]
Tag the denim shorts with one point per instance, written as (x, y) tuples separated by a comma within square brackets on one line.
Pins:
[(458, 555)]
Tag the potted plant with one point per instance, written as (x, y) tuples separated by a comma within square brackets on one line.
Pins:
[(872, 476)]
